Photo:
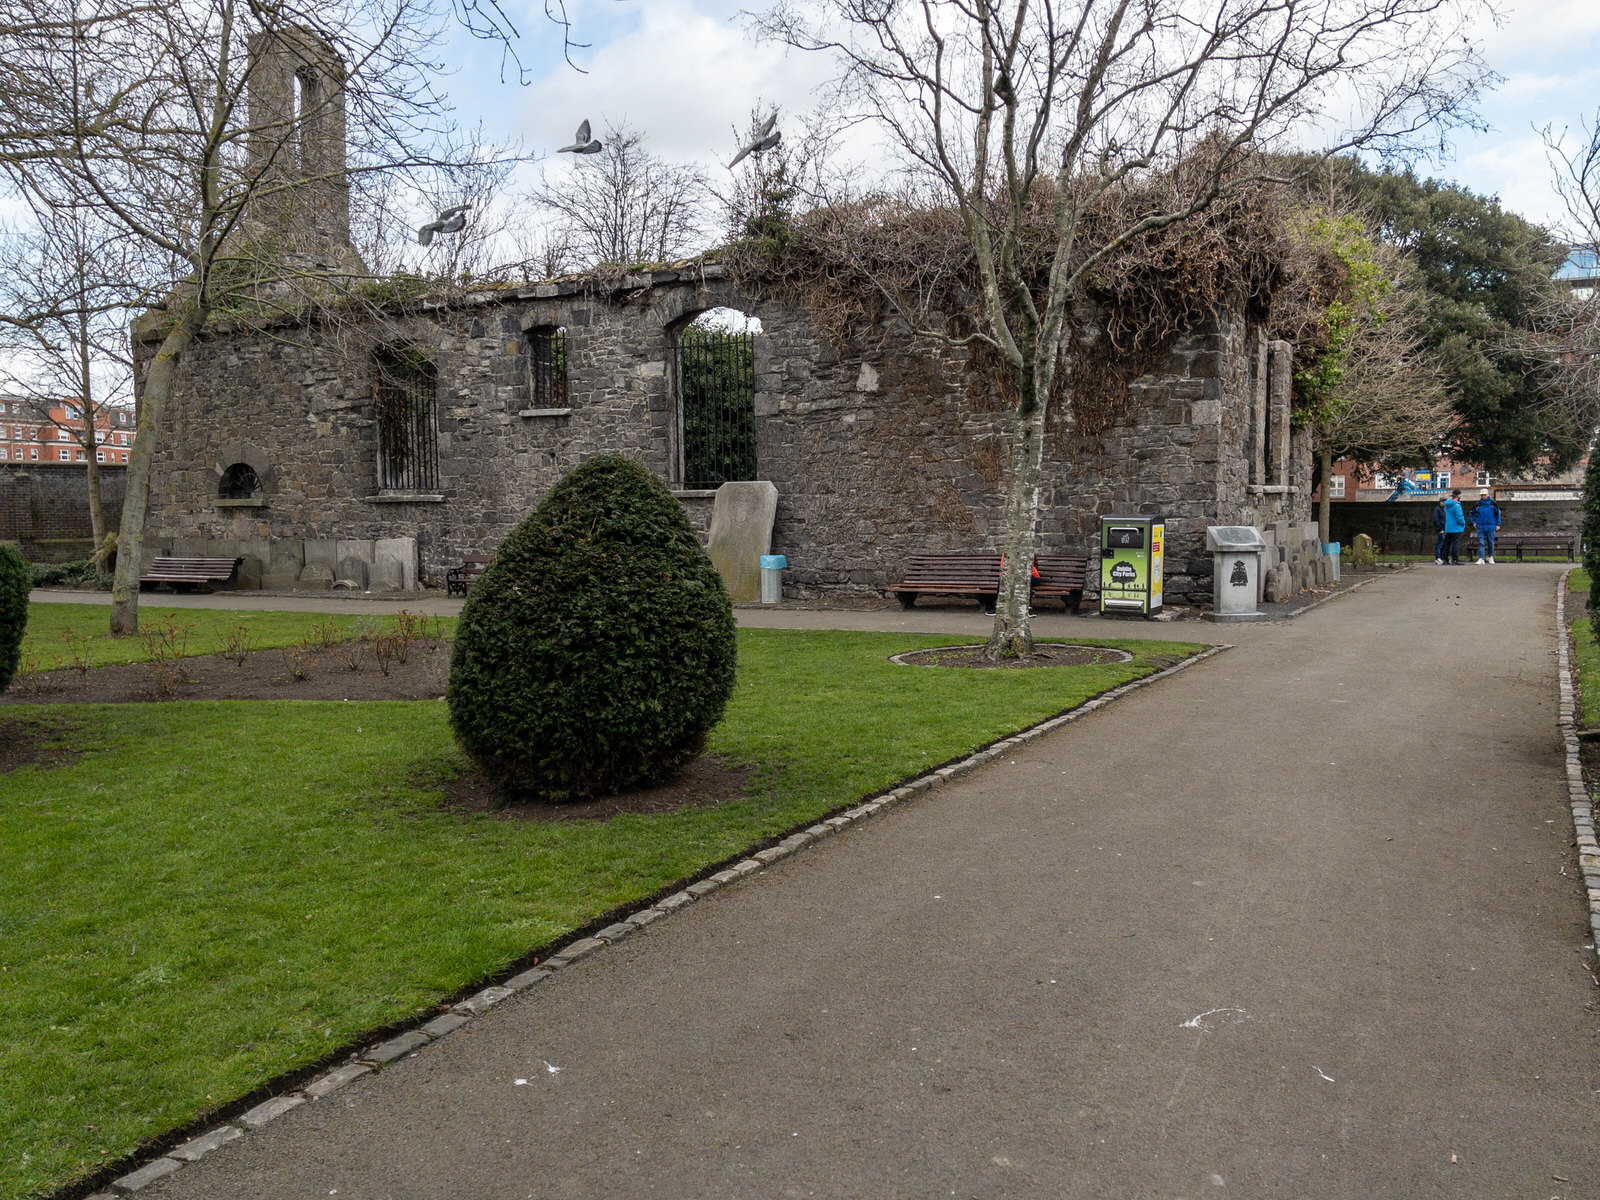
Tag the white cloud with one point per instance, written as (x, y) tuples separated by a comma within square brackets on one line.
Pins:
[(685, 74), (1541, 28)]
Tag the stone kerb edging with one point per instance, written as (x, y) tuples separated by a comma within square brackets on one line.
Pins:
[(461, 1013), (1577, 791)]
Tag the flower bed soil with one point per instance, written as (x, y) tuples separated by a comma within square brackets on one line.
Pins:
[(262, 675)]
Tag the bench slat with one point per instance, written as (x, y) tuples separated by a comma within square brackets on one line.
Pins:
[(1060, 576), (167, 569)]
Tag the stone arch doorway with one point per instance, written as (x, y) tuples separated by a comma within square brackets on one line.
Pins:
[(714, 390)]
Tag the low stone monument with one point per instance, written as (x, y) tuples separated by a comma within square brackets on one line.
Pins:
[(741, 532), (1361, 555), (1236, 571)]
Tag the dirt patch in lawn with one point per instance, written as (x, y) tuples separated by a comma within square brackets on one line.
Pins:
[(35, 743), (703, 782), (349, 671)]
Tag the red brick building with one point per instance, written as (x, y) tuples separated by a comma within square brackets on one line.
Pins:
[(26, 435)]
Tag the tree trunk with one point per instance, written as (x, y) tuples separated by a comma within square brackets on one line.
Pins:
[(157, 388), (97, 512), (1327, 487), (1013, 630)]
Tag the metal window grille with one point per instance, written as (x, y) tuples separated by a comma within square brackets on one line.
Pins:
[(547, 355), (404, 387), (239, 482), (718, 380)]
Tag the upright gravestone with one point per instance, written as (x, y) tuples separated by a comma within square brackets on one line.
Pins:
[(741, 532), (1361, 551)]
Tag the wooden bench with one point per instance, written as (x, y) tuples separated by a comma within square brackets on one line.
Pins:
[(975, 575), (1545, 542), (1057, 577), (220, 573), (458, 579), (1061, 577)]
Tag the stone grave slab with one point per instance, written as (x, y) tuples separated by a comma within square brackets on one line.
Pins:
[(741, 532)]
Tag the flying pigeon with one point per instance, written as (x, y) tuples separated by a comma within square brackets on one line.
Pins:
[(451, 220), (765, 139), (582, 143)]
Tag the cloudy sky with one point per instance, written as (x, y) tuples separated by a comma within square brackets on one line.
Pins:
[(685, 73)]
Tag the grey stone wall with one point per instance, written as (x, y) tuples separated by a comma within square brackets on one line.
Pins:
[(45, 507), (881, 449)]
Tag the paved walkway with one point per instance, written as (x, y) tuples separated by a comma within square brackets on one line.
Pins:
[(1300, 921)]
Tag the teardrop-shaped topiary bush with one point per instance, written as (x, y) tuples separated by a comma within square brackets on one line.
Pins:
[(16, 576), (597, 648)]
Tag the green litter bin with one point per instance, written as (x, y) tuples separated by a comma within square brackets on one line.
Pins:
[(1130, 564)]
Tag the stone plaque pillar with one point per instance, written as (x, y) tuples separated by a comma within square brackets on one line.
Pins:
[(741, 532), (1279, 393)]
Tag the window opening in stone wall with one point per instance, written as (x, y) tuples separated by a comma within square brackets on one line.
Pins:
[(717, 394), (305, 103), (404, 389), (239, 482), (547, 360)]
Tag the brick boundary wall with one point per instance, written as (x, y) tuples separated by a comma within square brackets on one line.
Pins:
[(45, 507)]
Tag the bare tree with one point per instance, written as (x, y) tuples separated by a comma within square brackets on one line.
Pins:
[(1386, 399), (222, 134), (76, 277), (387, 206), (1566, 343), (624, 205), (987, 101)]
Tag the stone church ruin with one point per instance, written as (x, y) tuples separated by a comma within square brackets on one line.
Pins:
[(376, 451)]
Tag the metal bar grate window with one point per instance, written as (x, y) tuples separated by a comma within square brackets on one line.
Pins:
[(717, 370), (547, 357), (404, 387)]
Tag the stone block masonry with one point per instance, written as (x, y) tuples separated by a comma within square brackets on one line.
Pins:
[(881, 448)]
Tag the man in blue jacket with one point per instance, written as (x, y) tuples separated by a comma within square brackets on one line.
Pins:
[(1486, 519), (1455, 522)]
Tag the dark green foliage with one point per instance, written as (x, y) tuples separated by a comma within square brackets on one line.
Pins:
[(1591, 538), (15, 579), (56, 574), (1485, 271), (597, 649), (719, 406)]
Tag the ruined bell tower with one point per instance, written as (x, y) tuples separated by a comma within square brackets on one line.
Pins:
[(296, 147)]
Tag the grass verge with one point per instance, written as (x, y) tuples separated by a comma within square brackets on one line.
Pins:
[(1585, 651), (57, 633), (220, 893)]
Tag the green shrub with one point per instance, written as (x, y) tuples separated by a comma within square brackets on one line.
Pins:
[(56, 574), (15, 579), (597, 649)]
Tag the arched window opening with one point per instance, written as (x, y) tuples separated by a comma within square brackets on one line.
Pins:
[(305, 107), (239, 482), (717, 397)]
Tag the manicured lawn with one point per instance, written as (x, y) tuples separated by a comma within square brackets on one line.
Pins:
[(57, 633), (218, 893), (1585, 652)]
